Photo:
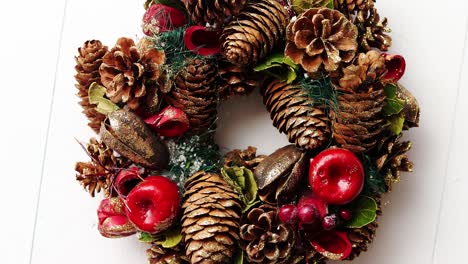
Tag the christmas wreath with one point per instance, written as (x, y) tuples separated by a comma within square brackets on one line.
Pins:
[(327, 83)]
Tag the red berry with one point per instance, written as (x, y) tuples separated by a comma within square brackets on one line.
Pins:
[(336, 176), (308, 214), (152, 205), (329, 222), (288, 214), (346, 214)]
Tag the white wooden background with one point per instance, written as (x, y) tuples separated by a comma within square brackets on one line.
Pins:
[(46, 217)]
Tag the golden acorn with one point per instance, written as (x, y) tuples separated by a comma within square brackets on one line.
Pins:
[(293, 112), (210, 221), (255, 32)]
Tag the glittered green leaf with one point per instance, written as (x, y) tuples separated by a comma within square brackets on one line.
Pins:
[(96, 95), (243, 180), (364, 210), (172, 238), (146, 237), (396, 124), (393, 105), (280, 67)]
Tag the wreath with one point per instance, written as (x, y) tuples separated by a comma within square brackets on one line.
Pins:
[(327, 83)]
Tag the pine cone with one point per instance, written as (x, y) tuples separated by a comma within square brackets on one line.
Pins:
[(349, 6), (264, 239), (321, 38), (243, 158), (293, 112), (235, 80), (157, 254), (392, 159), (87, 71), (372, 31), (358, 121), (214, 12), (194, 92), (126, 72), (258, 29), (98, 174), (210, 222)]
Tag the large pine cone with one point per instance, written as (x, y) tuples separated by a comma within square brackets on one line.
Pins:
[(126, 72), (258, 29), (293, 112), (264, 239), (235, 80), (210, 223), (372, 31), (158, 254), (358, 121), (321, 38), (194, 92), (214, 12), (87, 71)]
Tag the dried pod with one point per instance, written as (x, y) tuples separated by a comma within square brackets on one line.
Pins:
[(278, 175), (411, 109), (128, 134)]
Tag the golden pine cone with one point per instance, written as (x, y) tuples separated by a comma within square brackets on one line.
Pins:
[(88, 61), (357, 121), (349, 6), (126, 72), (243, 158), (235, 80), (373, 33), (264, 238), (392, 159), (321, 39), (157, 254), (194, 92), (293, 112), (255, 32), (300, 6), (214, 12), (210, 222)]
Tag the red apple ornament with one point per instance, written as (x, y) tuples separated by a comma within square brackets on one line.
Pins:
[(152, 205), (202, 41), (170, 122), (161, 18), (336, 176), (396, 66), (113, 221)]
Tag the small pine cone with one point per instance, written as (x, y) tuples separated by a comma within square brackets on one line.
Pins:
[(213, 12), (306, 254), (235, 80), (210, 222), (264, 238), (87, 71), (157, 254), (358, 122), (194, 92), (349, 6), (321, 39), (126, 72), (373, 33), (392, 159), (243, 158), (258, 29), (293, 112), (361, 238)]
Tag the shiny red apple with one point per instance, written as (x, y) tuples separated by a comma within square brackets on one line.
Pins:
[(153, 205), (336, 176)]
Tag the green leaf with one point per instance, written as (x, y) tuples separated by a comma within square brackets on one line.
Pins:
[(374, 183), (146, 237), (172, 238), (393, 105), (396, 124), (280, 67), (243, 180), (96, 95), (331, 4), (364, 210), (239, 259)]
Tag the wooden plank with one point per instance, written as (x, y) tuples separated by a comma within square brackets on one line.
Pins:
[(28, 58)]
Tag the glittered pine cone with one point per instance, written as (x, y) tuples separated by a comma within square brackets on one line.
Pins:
[(234, 80), (88, 61), (194, 92), (293, 113), (214, 12), (255, 32), (243, 158), (127, 72), (373, 32), (210, 221), (357, 120), (264, 238), (158, 254), (349, 6), (321, 39)]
